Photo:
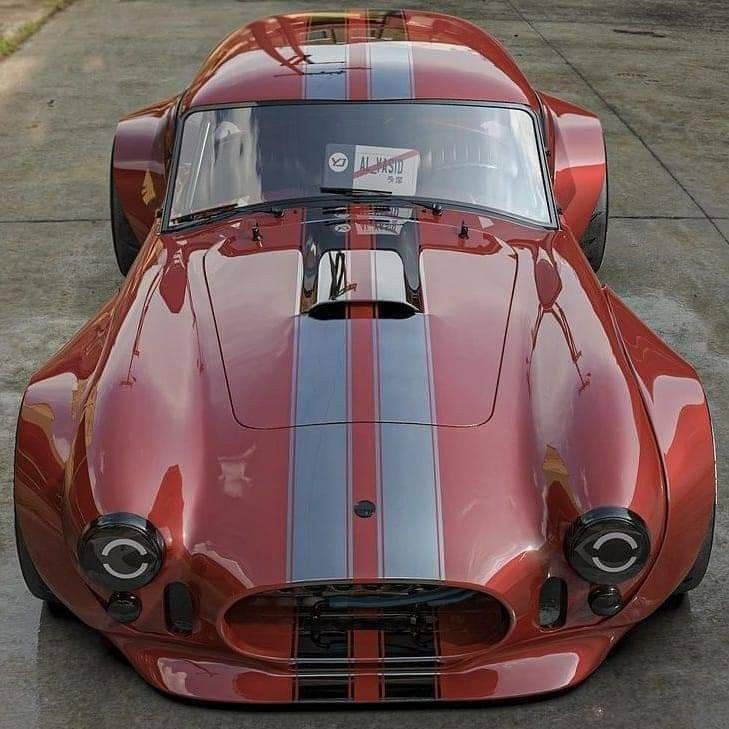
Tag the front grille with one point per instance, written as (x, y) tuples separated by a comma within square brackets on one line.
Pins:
[(342, 624)]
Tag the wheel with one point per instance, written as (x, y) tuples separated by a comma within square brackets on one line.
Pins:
[(33, 581), (126, 245), (696, 573), (594, 238)]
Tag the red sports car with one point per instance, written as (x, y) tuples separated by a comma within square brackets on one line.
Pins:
[(361, 423)]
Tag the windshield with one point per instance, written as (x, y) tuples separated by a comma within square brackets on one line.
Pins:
[(475, 155)]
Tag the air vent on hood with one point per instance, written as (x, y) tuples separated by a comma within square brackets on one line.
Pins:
[(361, 283), (325, 310)]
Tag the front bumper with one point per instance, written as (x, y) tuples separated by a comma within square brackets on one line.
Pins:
[(203, 667), (552, 663)]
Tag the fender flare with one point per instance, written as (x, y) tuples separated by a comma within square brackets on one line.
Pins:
[(578, 160), (141, 153)]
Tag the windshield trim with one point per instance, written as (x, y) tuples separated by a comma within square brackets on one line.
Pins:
[(327, 200), (552, 224)]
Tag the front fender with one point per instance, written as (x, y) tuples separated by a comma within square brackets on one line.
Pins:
[(676, 404), (50, 419), (52, 430)]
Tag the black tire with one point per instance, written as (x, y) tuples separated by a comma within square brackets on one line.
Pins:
[(696, 573), (674, 601), (594, 238), (126, 245), (33, 581)]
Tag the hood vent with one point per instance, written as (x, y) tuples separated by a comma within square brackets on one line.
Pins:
[(325, 310), (360, 278)]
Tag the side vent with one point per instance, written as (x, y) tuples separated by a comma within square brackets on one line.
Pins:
[(179, 608), (553, 603)]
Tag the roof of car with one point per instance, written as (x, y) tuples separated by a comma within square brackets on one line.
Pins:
[(359, 56)]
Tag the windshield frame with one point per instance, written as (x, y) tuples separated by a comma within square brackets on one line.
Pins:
[(325, 198)]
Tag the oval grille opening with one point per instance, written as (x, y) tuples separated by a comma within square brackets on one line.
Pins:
[(397, 622)]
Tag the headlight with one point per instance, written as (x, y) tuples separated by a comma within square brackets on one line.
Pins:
[(608, 545), (121, 551)]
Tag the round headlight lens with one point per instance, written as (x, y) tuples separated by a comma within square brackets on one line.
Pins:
[(121, 551), (608, 545)]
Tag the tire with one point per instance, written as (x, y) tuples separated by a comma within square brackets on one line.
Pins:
[(33, 581), (696, 573), (126, 245), (594, 238)]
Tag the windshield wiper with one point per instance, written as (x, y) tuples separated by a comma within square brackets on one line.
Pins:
[(205, 213), (216, 210), (434, 206), (350, 191)]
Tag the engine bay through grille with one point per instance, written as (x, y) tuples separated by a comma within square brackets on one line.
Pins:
[(337, 624)]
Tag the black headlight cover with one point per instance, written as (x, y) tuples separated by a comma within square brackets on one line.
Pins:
[(608, 545), (121, 551)]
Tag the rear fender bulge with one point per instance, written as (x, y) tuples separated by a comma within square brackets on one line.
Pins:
[(142, 150), (577, 159)]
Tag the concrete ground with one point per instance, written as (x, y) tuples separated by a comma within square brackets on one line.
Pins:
[(21, 18), (15, 13), (656, 73)]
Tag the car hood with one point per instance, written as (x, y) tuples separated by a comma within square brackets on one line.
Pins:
[(527, 426), (369, 319)]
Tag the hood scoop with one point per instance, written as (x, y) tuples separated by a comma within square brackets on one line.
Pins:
[(362, 283), (327, 310), (387, 335)]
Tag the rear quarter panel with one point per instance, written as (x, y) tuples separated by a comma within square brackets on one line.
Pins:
[(139, 168), (577, 160)]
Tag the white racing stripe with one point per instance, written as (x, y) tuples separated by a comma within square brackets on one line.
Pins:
[(325, 75), (408, 448), (391, 70)]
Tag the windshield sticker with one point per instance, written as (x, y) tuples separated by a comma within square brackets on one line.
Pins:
[(379, 227), (377, 169), (389, 223)]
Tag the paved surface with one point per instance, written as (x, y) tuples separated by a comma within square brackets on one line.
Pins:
[(14, 13), (655, 71), (20, 18)]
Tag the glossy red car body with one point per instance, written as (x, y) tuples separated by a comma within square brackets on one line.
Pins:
[(542, 397)]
